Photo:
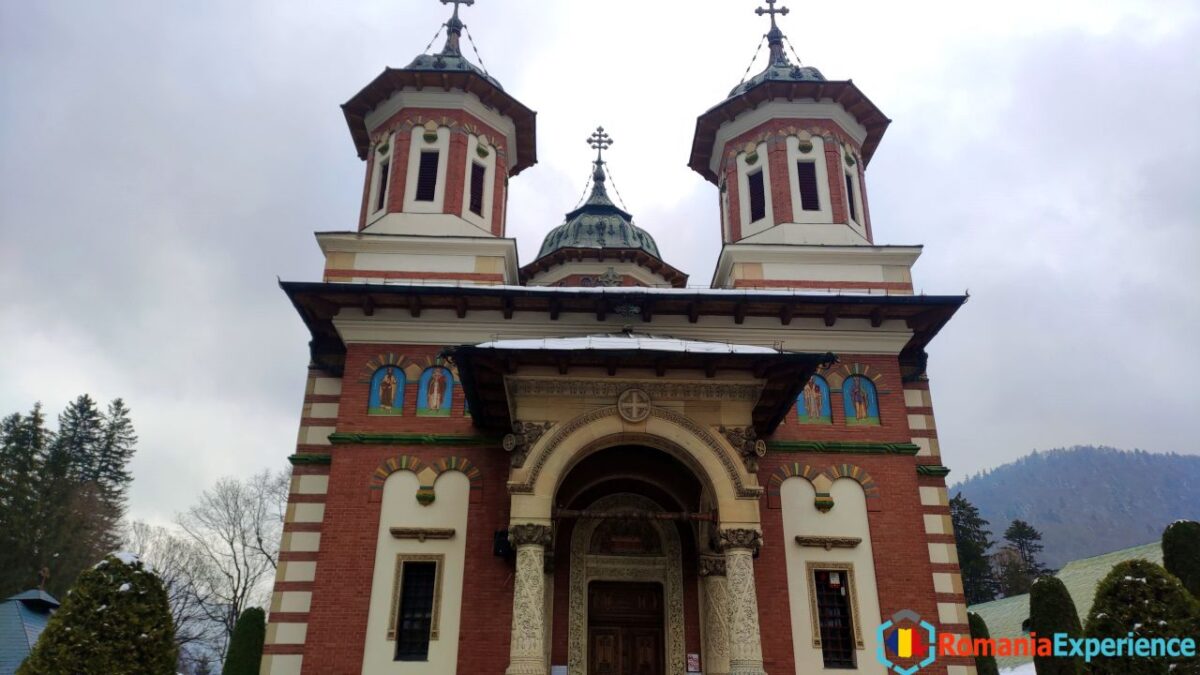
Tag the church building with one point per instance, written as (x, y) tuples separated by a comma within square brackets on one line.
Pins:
[(585, 464)]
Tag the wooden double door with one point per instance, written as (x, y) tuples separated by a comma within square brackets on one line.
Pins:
[(625, 629)]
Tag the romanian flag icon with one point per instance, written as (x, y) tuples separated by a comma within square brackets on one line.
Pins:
[(905, 645)]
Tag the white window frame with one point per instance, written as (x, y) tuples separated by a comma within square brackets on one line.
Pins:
[(377, 183), (484, 220), (852, 171), (744, 169), (415, 148), (816, 156)]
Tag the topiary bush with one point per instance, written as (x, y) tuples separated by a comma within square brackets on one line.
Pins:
[(1141, 598), (1051, 611), (246, 645), (1181, 553), (984, 665), (114, 620)]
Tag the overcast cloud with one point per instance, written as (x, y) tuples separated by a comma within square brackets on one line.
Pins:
[(162, 162)]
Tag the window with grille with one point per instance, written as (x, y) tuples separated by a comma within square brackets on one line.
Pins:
[(478, 173), (806, 175), (415, 619), (382, 186), (836, 622), (758, 196), (852, 198), (427, 177)]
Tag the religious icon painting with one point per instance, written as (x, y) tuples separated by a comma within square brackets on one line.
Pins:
[(813, 404), (387, 392), (433, 392), (861, 401)]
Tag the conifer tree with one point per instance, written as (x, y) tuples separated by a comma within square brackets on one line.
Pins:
[(246, 645), (1052, 611), (1141, 598), (973, 540), (115, 620), (23, 442), (984, 665), (1018, 561), (1181, 553)]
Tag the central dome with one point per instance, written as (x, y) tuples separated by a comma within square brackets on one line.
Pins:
[(598, 224)]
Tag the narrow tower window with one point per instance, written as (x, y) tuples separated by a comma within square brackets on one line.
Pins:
[(833, 615), (416, 610), (758, 196), (806, 175), (382, 185), (427, 177), (852, 197), (478, 173)]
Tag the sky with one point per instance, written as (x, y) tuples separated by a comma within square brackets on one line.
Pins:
[(163, 163)]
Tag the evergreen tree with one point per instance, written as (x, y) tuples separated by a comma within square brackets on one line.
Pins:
[(115, 620), (1181, 553), (973, 540), (1052, 611), (23, 443), (246, 645), (1018, 563), (984, 665), (1141, 598)]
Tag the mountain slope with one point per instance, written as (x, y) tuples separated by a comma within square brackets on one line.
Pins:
[(1088, 500)]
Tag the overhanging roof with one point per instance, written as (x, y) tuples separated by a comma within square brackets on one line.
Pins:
[(637, 256), (318, 303), (844, 93), (482, 368)]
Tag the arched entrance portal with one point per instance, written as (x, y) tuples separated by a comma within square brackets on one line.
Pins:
[(629, 519)]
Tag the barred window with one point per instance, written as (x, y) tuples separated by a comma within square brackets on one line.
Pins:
[(478, 173), (427, 177), (415, 605), (834, 617), (806, 175)]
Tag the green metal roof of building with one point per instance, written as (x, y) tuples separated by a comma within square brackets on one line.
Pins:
[(1081, 577)]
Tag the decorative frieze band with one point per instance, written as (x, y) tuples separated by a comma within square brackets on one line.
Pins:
[(608, 388), (422, 533), (828, 543)]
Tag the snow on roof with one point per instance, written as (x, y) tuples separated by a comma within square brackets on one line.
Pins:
[(627, 341)]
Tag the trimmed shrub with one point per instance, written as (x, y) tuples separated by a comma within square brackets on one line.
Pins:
[(1051, 611), (1141, 598), (1181, 553), (984, 665), (114, 620), (246, 645)]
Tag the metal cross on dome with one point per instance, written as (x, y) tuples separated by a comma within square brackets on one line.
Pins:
[(599, 141), (769, 10), (468, 3)]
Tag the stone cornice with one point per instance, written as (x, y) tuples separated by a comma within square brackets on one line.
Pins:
[(309, 459), (936, 470), (422, 533), (828, 543)]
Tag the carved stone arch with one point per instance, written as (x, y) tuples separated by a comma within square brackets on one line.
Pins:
[(716, 463), (464, 466), (587, 567)]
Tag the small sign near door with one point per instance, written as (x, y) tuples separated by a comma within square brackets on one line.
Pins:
[(693, 663)]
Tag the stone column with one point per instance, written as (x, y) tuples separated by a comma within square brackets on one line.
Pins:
[(527, 651), (716, 615), (745, 641)]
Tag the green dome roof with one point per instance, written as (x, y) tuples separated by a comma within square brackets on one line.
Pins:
[(598, 224), (451, 59)]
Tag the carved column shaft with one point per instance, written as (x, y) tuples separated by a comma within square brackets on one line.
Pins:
[(527, 650), (716, 615), (745, 640)]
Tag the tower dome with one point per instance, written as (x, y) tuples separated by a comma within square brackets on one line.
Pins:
[(598, 243)]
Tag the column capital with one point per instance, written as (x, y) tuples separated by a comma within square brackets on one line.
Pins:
[(712, 566), (741, 538), (529, 534)]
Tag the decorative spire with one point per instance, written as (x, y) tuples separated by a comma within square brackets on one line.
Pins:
[(455, 26), (775, 35), (599, 141)]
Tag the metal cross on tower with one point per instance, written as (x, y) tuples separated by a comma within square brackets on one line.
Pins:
[(456, 3), (599, 141), (769, 10)]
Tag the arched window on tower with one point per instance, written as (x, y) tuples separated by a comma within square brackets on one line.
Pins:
[(813, 404), (860, 401), (387, 392), (434, 392)]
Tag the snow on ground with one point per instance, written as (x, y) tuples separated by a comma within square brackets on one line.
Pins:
[(1023, 669)]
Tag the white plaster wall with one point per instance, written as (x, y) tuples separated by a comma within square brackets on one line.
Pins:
[(399, 508), (847, 519)]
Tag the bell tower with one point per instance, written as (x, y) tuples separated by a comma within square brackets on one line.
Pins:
[(788, 150), (440, 139)]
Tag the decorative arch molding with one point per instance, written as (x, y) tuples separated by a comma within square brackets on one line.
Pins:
[(427, 475), (587, 567), (822, 481), (704, 444), (412, 367), (836, 377)]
